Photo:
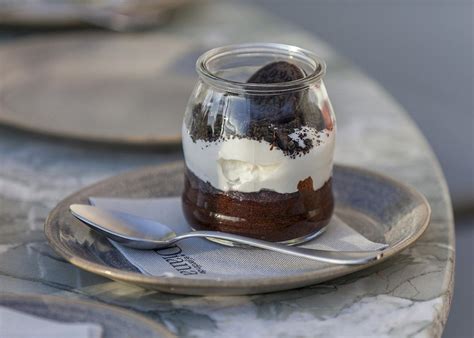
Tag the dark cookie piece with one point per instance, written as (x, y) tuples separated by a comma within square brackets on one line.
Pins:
[(276, 72), (279, 109), (275, 117)]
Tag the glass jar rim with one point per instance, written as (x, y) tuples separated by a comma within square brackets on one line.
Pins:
[(317, 63)]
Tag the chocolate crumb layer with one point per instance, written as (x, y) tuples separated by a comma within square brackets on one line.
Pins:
[(272, 118), (265, 214)]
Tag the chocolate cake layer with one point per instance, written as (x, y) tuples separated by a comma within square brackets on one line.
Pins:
[(264, 215)]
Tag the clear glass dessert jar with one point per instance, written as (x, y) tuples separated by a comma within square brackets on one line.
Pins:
[(258, 140)]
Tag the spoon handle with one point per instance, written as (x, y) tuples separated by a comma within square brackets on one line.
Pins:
[(334, 257)]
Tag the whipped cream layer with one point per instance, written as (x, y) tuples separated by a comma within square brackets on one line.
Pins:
[(249, 166)]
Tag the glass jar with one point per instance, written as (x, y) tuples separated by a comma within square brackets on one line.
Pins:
[(258, 140)]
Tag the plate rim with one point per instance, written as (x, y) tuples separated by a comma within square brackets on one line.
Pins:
[(94, 305), (145, 142), (276, 283)]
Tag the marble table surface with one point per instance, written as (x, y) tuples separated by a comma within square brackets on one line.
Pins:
[(408, 295)]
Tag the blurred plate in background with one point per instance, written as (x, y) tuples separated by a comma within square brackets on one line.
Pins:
[(115, 322), (119, 88), (112, 14)]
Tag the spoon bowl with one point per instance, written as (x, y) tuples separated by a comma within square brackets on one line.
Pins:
[(127, 229)]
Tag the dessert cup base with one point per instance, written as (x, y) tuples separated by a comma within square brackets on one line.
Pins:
[(291, 242)]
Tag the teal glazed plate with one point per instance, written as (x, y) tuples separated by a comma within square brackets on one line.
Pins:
[(380, 208)]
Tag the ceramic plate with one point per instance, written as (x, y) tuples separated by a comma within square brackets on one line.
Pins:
[(102, 13), (378, 207), (83, 85), (115, 322)]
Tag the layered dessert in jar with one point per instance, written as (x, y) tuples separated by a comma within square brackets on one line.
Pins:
[(258, 140)]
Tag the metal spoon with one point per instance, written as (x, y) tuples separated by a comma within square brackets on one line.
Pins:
[(140, 233)]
